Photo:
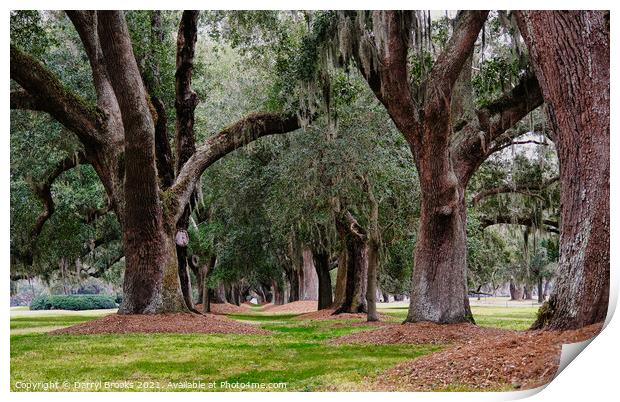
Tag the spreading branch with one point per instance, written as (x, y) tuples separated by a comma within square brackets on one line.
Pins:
[(354, 227), (510, 108), (186, 99), (43, 190), (21, 99), (388, 77), (492, 130), (49, 95), (235, 136), (546, 224), (526, 188), (450, 62), (85, 23)]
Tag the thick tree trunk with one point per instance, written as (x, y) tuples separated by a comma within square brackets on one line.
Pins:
[(184, 278), (278, 293), (149, 286), (206, 292), (527, 292), (570, 54), (516, 291), (439, 283), (540, 290), (371, 291), (341, 279), (310, 281), (321, 263), (294, 286), (356, 282), (220, 293)]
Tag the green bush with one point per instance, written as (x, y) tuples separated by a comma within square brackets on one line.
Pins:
[(73, 302)]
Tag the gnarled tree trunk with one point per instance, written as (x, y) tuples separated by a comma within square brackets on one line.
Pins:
[(356, 280), (516, 291), (438, 285), (570, 54), (309, 283), (321, 263)]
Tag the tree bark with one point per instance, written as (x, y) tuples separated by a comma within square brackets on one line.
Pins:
[(539, 290), (321, 263), (309, 281), (444, 161), (146, 234), (439, 286), (185, 105), (516, 291), (356, 278), (371, 291), (527, 292), (570, 54)]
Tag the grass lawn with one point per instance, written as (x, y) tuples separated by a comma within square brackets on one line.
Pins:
[(517, 318), (294, 354)]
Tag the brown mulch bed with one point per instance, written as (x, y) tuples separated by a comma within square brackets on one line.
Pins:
[(418, 333), (302, 306), (328, 314), (487, 360), (181, 323), (225, 308)]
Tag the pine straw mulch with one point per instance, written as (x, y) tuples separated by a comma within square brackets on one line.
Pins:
[(476, 358), (179, 323), (298, 307), (418, 333), (225, 308), (328, 314)]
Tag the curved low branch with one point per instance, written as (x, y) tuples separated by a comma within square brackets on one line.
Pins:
[(21, 99), (239, 134), (546, 224), (491, 131), (513, 188), (48, 94), (43, 190), (92, 214), (354, 227), (510, 108)]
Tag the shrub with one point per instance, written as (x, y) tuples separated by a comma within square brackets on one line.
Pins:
[(72, 302)]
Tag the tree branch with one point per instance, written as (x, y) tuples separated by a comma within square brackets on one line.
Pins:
[(510, 188), (510, 108), (546, 224), (388, 75), (354, 227), (20, 99), (141, 181), (43, 191), (450, 62), (186, 99), (85, 23), (491, 130), (235, 136), (52, 97)]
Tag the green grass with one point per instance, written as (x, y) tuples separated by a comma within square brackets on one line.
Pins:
[(295, 353), (516, 318)]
